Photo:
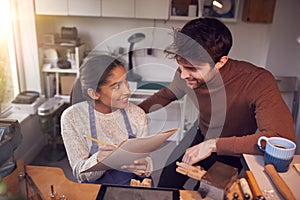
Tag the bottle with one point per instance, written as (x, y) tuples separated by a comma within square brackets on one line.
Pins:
[(71, 58)]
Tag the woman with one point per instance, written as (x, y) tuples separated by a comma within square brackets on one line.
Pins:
[(107, 116)]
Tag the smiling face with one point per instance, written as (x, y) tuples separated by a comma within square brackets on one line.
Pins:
[(113, 94), (196, 75), (199, 74)]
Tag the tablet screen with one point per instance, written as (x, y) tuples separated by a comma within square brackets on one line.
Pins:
[(117, 192)]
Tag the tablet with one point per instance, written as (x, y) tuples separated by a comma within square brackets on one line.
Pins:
[(117, 192)]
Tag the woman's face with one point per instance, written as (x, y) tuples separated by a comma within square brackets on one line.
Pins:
[(114, 94)]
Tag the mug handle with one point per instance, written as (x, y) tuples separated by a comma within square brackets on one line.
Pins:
[(259, 142)]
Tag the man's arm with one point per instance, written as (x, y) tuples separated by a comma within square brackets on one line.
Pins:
[(158, 100), (163, 97), (272, 116)]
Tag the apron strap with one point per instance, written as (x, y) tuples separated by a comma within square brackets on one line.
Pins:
[(127, 124), (94, 147)]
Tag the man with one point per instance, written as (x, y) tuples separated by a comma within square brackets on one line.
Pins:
[(237, 101)]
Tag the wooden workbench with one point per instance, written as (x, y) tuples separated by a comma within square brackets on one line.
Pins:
[(44, 177)]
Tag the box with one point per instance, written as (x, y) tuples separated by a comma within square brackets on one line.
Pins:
[(218, 179), (49, 39), (66, 83), (30, 109)]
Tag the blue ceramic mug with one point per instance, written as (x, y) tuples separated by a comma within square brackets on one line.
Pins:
[(278, 151)]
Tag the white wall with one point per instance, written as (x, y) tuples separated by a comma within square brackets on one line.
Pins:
[(29, 73), (284, 51)]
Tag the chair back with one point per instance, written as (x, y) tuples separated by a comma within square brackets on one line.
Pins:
[(76, 93)]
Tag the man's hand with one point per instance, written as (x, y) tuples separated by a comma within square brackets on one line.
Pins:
[(140, 167), (199, 152)]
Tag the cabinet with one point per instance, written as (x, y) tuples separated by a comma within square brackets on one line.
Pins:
[(51, 7), (59, 82), (258, 11), (118, 8), (85, 8), (142, 9), (154, 9), (226, 11), (68, 7)]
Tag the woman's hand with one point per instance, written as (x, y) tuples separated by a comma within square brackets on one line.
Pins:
[(199, 152), (140, 167), (105, 150)]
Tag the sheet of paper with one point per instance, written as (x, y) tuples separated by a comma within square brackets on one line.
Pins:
[(131, 150)]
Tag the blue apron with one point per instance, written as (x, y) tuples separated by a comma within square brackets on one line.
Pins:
[(111, 176)]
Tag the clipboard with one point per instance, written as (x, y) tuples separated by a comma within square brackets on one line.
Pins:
[(130, 150)]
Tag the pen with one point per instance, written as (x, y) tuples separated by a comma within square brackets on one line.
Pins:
[(93, 139)]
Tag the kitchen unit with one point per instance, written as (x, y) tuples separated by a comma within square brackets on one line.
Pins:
[(142, 9), (68, 7), (118, 8)]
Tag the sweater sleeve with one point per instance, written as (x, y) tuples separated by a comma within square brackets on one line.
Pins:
[(77, 148), (272, 115), (164, 96)]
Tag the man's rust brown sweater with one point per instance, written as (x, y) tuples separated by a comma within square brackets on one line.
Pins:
[(244, 104)]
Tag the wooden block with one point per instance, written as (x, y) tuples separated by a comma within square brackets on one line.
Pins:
[(147, 182), (218, 179), (189, 170), (235, 190)]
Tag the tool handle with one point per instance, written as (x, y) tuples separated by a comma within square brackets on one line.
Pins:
[(253, 185), (246, 188), (280, 184)]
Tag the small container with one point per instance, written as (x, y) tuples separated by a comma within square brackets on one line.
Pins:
[(192, 10), (71, 58)]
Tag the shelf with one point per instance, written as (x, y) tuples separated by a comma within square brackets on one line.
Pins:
[(60, 45), (66, 98), (183, 18), (58, 70), (58, 81), (187, 18), (205, 8)]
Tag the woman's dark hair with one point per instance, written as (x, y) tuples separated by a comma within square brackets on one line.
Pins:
[(201, 39), (95, 71)]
